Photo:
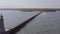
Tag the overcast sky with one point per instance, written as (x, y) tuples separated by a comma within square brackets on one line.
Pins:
[(29, 3)]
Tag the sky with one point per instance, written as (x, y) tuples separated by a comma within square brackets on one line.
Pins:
[(29, 3)]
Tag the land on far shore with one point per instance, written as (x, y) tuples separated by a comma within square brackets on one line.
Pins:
[(32, 9)]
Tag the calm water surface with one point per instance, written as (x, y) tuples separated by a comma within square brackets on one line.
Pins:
[(42, 24), (45, 23), (14, 17)]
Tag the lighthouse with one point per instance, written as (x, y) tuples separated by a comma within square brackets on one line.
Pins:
[(2, 29)]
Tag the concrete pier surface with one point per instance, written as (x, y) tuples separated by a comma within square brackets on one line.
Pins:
[(45, 23)]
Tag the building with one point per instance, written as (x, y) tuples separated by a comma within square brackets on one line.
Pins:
[(2, 29)]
